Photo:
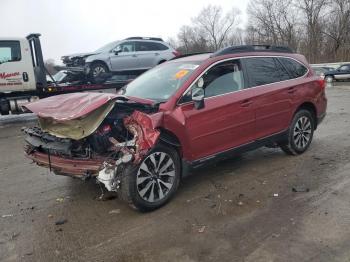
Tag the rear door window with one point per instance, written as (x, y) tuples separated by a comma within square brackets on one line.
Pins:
[(295, 69), (264, 70), (10, 51), (344, 68), (150, 46)]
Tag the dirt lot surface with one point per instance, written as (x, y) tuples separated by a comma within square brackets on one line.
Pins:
[(242, 209)]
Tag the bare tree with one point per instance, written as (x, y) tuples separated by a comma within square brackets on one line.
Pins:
[(273, 22), (337, 30), (314, 13), (191, 40), (216, 26)]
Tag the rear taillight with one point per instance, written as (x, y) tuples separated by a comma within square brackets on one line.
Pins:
[(176, 53), (322, 83)]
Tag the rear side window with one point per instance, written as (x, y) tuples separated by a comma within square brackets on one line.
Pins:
[(10, 51), (264, 70), (294, 68), (150, 46), (344, 68)]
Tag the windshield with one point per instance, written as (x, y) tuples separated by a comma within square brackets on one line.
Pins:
[(108, 47), (59, 76), (161, 82)]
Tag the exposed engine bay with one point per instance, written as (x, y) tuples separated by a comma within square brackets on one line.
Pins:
[(124, 135)]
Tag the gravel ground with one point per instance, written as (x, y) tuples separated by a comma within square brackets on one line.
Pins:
[(242, 209)]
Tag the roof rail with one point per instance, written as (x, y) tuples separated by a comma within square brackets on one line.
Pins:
[(190, 54), (144, 38), (252, 48)]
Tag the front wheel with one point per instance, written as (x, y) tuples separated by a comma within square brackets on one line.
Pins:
[(300, 133), (97, 72), (329, 79), (153, 182)]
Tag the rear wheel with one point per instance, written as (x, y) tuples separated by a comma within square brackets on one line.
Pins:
[(153, 182), (300, 133)]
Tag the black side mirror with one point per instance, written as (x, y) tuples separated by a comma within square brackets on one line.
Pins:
[(117, 51), (198, 97)]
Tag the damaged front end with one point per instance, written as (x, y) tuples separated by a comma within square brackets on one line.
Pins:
[(91, 135)]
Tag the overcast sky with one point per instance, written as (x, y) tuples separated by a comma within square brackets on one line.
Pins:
[(70, 26)]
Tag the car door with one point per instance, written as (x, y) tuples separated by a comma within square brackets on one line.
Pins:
[(123, 57), (147, 54), (16, 68), (273, 95), (227, 119), (342, 73)]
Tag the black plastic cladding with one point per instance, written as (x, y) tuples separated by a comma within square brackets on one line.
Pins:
[(252, 48), (144, 38)]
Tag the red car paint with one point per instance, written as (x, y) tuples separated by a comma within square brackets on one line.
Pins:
[(69, 106), (144, 129), (73, 167), (225, 122)]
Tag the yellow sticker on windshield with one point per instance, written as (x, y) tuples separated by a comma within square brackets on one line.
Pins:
[(181, 74)]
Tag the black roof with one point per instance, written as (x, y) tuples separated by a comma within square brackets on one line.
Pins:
[(252, 48), (144, 38)]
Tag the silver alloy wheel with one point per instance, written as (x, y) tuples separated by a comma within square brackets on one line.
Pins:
[(302, 132), (155, 177), (98, 70), (329, 79)]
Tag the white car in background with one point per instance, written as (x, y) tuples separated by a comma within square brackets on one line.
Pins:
[(133, 54)]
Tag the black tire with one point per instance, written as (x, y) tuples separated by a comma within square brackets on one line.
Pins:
[(130, 189), (329, 78), (98, 71), (299, 135)]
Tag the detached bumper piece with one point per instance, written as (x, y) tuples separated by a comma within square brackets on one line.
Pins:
[(79, 168)]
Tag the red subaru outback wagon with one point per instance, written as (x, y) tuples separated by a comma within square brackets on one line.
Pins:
[(177, 117)]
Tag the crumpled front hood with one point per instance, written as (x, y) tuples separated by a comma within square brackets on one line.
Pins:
[(79, 55), (66, 107), (73, 116)]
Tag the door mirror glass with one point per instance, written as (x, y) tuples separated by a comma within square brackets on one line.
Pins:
[(198, 97)]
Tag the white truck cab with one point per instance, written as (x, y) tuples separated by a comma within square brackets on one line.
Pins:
[(16, 65), (23, 75)]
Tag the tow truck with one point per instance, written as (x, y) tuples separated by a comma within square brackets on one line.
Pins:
[(23, 76)]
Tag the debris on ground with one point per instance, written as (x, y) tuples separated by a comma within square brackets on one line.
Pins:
[(61, 222), (8, 215), (114, 211), (60, 199), (300, 188), (201, 229), (14, 236), (59, 230), (240, 203), (258, 201), (275, 194), (50, 216)]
